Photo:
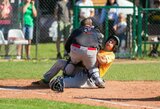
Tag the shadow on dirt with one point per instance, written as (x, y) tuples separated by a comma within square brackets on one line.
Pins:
[(29, 87), (157, 98)]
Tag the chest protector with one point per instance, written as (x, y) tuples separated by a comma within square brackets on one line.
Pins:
[(89, 37)]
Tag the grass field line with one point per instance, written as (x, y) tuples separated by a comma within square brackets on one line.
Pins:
[(124, 104)]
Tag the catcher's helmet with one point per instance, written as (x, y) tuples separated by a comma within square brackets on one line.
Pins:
[(89, 21), (86, 21)]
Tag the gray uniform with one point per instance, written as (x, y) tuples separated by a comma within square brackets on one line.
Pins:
[(78, 78), (84, 48), (83, 45)]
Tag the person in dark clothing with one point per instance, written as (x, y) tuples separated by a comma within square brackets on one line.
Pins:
[(112, 15), (62, 17), (87, 21)]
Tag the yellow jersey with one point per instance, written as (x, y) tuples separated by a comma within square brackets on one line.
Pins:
[(104, 59)]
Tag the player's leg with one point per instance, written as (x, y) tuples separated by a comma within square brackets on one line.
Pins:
[(95, 77), (69, 69), (89, 61), (80, 80), (75, 54), (59, 65), (52, 72)]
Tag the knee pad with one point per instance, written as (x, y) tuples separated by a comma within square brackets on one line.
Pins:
[(68, 70), (94, 73), (95, 77)]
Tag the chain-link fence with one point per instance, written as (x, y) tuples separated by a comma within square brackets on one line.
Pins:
[(127, 47), (43, 43), (149, 34)]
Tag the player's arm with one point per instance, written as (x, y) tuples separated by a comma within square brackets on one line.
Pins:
[(105, 58)]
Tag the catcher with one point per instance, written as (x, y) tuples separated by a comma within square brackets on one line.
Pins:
[(81, 79), (80, 75), (85, 42), (83, 46)]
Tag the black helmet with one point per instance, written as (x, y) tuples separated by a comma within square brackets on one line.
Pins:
[(117, 40)]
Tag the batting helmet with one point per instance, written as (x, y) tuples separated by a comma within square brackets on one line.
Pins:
[(116, 39)]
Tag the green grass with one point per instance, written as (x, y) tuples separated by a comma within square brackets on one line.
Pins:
[(42, 104), (45, 50), (35, 70), (141, 71), (24, 70)]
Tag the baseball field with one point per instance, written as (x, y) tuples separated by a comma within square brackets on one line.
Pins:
[(130, 84)]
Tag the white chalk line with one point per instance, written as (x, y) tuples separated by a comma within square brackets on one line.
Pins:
[(11, 89), (125, 104), (15, 89), (110, 102)]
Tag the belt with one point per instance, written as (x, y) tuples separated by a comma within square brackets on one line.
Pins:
[(79, 46)]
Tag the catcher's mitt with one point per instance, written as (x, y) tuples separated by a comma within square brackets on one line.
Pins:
[(57, 84)]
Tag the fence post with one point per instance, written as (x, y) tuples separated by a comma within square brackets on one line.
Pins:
[(134, 31), (75, 18), (37, 30), (106, 30), (139, 32), (74, 15)]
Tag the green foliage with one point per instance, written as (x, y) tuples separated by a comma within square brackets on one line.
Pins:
[(42, 104)]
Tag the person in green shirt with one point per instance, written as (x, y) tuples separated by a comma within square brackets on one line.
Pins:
[(29, 12)]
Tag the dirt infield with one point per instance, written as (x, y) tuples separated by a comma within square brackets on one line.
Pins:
[(119, 94)]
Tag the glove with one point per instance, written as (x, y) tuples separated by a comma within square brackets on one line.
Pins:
[(57, 84)]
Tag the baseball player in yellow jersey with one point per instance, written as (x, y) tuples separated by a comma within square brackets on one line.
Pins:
[(106, 57)]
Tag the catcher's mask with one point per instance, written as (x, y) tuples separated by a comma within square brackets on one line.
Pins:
[(90, 21), (117, 41), (86, 21)]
